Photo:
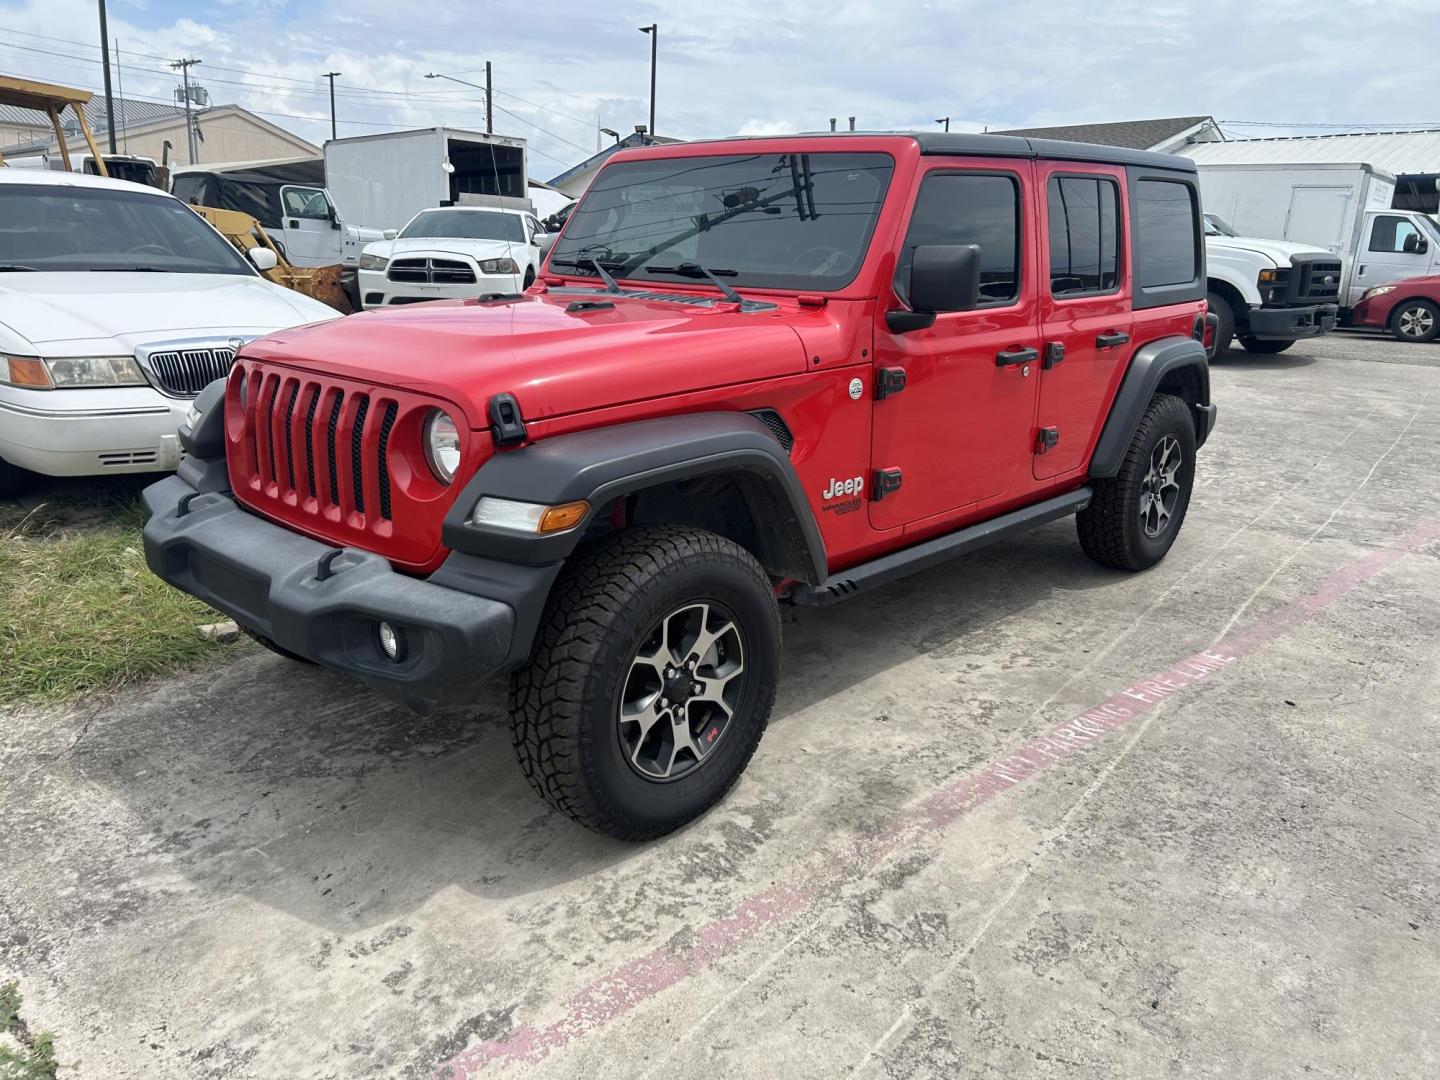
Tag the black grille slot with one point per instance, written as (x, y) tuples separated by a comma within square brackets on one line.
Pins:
[(776, 423), (310, 440), (330, 448), (450, 272), (409, 270), (267, 410), (290, 433), (357, 437), (385, 426), (185, 372)]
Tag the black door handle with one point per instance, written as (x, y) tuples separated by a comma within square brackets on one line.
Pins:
[(1104, 341), (1016, 356), (292, 224)]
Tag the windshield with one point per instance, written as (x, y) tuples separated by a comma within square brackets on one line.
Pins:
[(48, 227), (784, 221), (466, 225), (1431, 227), (1215, 226)]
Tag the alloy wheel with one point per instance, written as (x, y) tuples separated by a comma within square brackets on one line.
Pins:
[(1416, 322), (681, 691), (1160, 489)]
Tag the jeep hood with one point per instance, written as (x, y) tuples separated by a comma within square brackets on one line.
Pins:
[(553, 359), (1277, 251)]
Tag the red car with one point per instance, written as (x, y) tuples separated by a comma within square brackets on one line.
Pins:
[(1409, 309), (753, 373)]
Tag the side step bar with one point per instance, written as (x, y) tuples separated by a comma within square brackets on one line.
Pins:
[(923, 556)]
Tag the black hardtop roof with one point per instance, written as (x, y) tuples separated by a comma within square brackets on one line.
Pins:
[(968, 144)]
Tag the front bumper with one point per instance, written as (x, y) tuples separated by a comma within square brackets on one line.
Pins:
[(377, 290), (1368, 313), (87, 432), (326, 603), (1291, 323)]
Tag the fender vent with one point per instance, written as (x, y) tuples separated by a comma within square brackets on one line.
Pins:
[(776, 423)]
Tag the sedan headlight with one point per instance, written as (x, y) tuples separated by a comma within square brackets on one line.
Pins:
[(442, 445), (1378, 290), (373, 262), (498, 266), (70, 372)]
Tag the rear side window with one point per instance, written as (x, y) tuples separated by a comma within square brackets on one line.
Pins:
[(969, 208), (1167, 252), (1084, 213)]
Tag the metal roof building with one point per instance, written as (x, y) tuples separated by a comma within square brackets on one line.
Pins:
[(1398, 152)]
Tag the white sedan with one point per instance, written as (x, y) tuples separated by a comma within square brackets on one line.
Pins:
[(452, 253)]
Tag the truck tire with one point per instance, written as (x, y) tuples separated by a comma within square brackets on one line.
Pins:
[(1264, 347), (635, 624), (1134, 516), (13, 479), (1225, 332), (1415, 320)]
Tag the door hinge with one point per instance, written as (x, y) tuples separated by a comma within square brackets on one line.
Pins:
[(1047, 439), (888, 382), (886, 482)]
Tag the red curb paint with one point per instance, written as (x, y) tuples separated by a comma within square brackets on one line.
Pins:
[(631, 984)]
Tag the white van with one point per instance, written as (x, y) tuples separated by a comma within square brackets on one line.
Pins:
[(117, 306)]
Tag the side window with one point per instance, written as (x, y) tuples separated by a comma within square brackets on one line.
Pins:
[(969, 208), (1165, 249), (1391, 234), (1084, 235), (306, 203)]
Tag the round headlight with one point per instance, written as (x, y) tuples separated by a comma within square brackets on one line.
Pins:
[(442, 446)]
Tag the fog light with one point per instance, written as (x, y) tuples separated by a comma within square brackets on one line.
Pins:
[(391, 643)]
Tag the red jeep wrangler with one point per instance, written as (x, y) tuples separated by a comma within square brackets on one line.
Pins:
[(754, 372)]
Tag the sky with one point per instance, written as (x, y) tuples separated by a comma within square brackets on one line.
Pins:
[(562, 70)]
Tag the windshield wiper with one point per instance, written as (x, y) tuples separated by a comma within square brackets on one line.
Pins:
[(695, 270), (12, 268), (610, 283), (128, 270)]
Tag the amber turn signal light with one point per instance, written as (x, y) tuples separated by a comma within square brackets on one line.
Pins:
[(560, 518)]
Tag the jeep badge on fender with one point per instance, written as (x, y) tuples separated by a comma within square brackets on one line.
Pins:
[(607, 487)]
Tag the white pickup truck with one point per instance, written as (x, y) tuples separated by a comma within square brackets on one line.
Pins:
[(1268, 293)]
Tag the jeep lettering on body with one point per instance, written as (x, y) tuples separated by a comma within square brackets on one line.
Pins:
[(751, 373)]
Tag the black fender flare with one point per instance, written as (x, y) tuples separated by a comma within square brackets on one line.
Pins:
[(603, 463), (1148, 368)]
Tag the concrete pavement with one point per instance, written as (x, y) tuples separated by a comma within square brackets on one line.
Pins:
[(1016, 817)]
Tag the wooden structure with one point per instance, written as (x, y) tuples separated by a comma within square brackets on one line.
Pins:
[(53, 100)]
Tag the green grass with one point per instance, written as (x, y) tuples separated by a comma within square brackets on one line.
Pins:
[(35, 1060), (79, 610)]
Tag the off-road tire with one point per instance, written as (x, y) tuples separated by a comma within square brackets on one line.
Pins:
[(1418, 307), (1110, 528), (278, 650), (1264, 347), (564, 703), (13, 479), (1225, 332)]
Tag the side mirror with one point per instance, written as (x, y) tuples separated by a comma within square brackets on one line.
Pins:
[(551, 225), (943, 277), (263, 258), (1415, 245), (390, 234)]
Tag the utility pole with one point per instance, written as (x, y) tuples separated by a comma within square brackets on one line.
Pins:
[(332, 76), (944, 120), (654, 31), (190, 148), (120, 89), (489, 103), (105, 52)]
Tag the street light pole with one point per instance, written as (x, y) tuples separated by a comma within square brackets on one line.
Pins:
[(654, 31), (109, 103), (944, 120), (332, 76), (489, 115)]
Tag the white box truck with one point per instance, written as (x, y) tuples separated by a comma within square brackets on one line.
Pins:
[(385, 180), (1342, 209)]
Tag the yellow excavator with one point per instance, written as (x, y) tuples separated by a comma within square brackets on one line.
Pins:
[(242, 230)]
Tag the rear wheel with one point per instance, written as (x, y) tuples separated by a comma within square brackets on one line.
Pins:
[(1134, 516), (1264, 348), (651, 681), (1416, 320), (1225, 332)]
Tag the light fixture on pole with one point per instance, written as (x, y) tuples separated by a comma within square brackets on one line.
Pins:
[(654, 31), (944, 120), (489, 115)]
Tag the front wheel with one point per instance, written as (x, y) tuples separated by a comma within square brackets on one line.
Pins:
[(651, 681), (1264, 347), (1134, 516), (1225, 326), (13, 479), (1416, 320)]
